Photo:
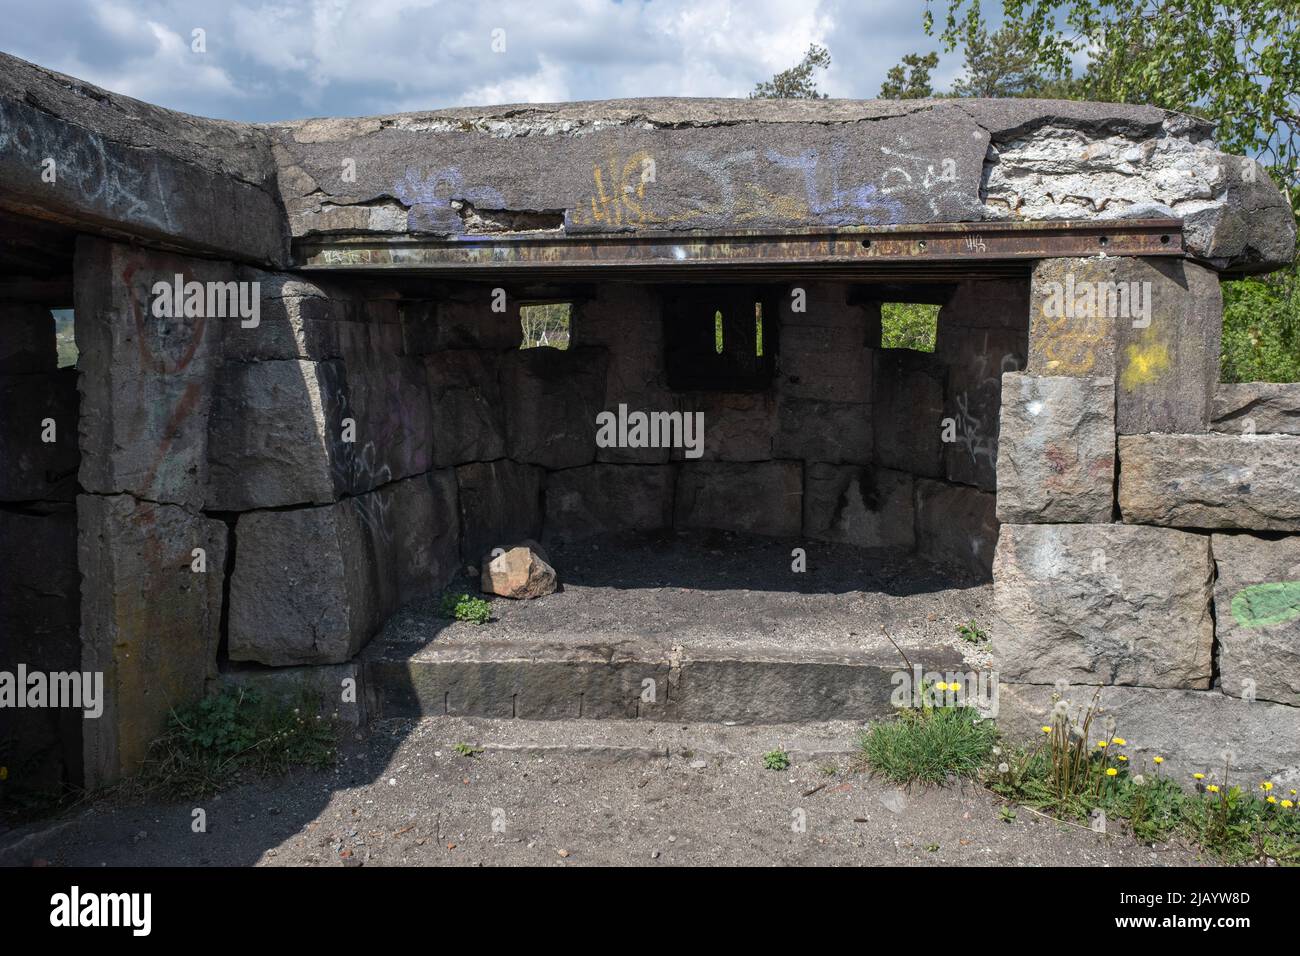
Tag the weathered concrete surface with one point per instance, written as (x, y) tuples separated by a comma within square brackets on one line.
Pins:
[(1103, 604), (146, 381), (1153, 324), (500, 502), (271, 430), (1257, 616), (697, 164), (40, 618), (1056, 450), (1168, 372), (552, 398), (908, 411), (1193, 730), (196, 183), (599, 498), (32, 469), (1257, 408), (1211, 481), (826, 350), (149, 622), (738, 426), (956, 524), (758, 497), (823, 431), (466, 404), (868, 507), (312, 585)]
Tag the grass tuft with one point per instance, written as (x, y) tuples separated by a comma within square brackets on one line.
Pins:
[(926, 745)]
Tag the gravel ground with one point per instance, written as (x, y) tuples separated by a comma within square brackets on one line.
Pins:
[(566, 794)]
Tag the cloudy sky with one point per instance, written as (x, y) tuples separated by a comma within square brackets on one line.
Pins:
[(298, 58)]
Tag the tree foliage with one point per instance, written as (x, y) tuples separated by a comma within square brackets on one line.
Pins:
[(910, 80), (796, 83)]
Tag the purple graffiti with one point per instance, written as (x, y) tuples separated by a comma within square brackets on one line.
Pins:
[(863, 204), (429, 199)]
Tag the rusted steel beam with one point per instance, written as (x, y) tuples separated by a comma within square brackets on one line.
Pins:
[(961, 248)]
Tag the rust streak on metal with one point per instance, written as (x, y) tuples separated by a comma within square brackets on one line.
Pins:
[(973, 247)]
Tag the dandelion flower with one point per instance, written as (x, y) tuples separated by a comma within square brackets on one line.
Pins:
[(1102, 744), (1213, 788), (1198, 776), (1266, 786), (1272, 799), (1120, 741), (1139, 779), (1158, 759), (1122, 758), (1047, 730), (1003, 768), (1288, 804), (1111, 771)]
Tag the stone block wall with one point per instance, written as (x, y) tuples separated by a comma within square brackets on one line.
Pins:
[(1150, 550), (39, 603)]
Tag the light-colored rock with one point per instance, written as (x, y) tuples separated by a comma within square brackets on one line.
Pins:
[(1103, 604), (1056, 450), (521, 572), (1250, 482), (1257, 616), (1257, 408)]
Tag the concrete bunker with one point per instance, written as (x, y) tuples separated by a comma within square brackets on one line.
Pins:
[(343, 458)]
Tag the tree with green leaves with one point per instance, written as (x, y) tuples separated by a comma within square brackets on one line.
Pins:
[(910, 80), (796, 83)]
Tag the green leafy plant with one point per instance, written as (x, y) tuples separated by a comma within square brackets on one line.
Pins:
[(776, 759), (465, 750), (209, 743), (463, 607), (927, 744), (972, 632)]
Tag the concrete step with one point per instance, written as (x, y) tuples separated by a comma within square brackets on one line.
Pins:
[(657, 679), (610, 740)]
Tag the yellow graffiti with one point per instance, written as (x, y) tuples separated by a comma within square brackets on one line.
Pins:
[(1069, 345), (1147, 361), (619, 197)]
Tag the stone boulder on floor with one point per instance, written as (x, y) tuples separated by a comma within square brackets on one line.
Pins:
[(521, 572)]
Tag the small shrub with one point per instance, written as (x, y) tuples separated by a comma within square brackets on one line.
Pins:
[(928, 744), (463, 607), (208, 743), (776, 759)]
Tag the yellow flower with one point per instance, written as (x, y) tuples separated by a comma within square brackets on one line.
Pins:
[(1122, 757), (1120, 741), (1198, 776), (1213, 788), (1047, 730), (1266, 786), (1272, 799), (1288, 804), (1111, 771), (1158, 759), (1101, 743)]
